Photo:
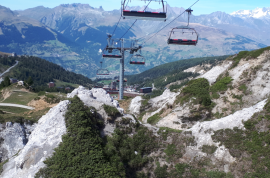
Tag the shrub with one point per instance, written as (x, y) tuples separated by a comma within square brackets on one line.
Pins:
[(80, 154), (41, 93), (37, 98), (153, 119), (161, 172), (15, 119), (248, 54), (51, 99), (240, 55), (111, 111), (221, 85), (198, 88), (120, 149), (170, 150), (215, 95), (154, 93), (178, 86), (165, 131), (209, 149), (243, 88)]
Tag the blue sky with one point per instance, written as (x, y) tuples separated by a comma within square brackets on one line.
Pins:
[(202, 7)]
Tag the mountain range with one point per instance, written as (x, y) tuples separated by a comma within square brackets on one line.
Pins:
[(72, 35)]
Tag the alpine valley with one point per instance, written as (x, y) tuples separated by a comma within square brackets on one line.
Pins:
[(72, 35)]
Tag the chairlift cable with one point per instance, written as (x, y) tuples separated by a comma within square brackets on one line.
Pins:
[(169, 23), (116, 25)]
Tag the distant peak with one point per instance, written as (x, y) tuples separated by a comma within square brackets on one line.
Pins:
[(75, 5), (256, 13)]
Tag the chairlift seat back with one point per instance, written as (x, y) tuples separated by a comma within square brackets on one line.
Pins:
[(144, 15), (112, 56), (137, 59), (102, 72), (123, 80), (135, 62), (182, 42)]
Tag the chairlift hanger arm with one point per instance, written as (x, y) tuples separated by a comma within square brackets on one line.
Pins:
[(163, 5)]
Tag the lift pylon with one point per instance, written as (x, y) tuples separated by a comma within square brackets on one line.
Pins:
[(133, 48)]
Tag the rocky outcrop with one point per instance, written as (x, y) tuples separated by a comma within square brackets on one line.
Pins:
[(96, 97), (47, 134), (43, 140), (163, 101), (135, 105), (13, 137), (202, 131), (213, 74)]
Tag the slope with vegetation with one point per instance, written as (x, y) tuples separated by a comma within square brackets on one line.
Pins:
[(165, 74), (42, 72), (201, 109), (187, 134)]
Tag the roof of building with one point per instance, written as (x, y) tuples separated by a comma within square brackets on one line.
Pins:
[(146, 88)]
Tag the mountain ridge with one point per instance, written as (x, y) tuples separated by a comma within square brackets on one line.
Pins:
[(85, 28)]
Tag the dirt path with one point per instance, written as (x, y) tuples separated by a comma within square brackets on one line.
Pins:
[(16, 105)]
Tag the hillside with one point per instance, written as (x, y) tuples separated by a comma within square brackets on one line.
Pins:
[(165, 74), (41, 71)]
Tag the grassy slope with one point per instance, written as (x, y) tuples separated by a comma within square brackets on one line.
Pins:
[(20, 97)]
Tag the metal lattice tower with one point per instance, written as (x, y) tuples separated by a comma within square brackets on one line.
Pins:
[(122, 50)]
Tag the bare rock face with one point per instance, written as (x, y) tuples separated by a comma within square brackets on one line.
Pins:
[(161, 102), (213, 74), (95, 97), (202, 131), (13, 137), (43, 140), (135, 105), (46, 135)]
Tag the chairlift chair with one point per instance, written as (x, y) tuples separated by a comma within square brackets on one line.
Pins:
[(102, 71), (145, 15), (189, 35), (137, 59), (182, 32), (111, 53)]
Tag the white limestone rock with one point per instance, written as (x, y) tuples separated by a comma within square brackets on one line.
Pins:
[(202, 131), (161, 102), (43, 140), (135, 105), (213, 74), (14, 137), (167, 97), (95, 97)]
